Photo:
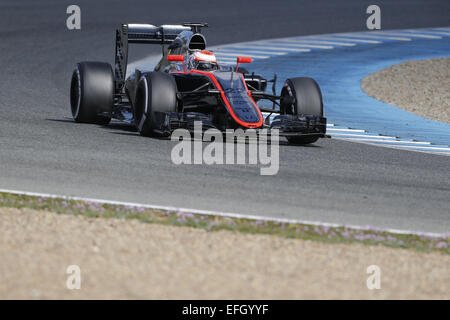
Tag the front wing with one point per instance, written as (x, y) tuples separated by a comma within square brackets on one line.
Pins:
[(287, 125)]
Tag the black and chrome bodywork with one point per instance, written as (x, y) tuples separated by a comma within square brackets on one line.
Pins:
[(222, 99)]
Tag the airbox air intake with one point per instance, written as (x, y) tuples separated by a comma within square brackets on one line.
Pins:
[(197, 42)]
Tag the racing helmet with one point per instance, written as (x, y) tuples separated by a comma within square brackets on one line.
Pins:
[(203, 60)]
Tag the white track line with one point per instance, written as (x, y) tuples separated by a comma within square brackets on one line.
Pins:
[(345, 44), (222, 214), (447, 33), (435, 32), (354, 135), (381, 141), (235, 54), (272, 48), (361, 135), (291, 47), (338, 37), (426, 148), (408, 34), (347, 130), (377, 37), (269, 44), (256, 51)]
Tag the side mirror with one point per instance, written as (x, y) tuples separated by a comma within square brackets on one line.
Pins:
[(176, 57), (242, 60)]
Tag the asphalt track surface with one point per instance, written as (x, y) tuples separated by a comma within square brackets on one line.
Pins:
[(43, 150)]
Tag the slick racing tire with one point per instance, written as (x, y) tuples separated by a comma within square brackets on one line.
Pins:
[(301, 96), (156, 95), (92, 92)]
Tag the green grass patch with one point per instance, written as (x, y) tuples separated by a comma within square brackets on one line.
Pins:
[(369, 236)]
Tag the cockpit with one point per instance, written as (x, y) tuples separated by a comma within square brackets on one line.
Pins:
[(203, 60)]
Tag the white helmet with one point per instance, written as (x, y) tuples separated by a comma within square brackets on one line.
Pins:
[(203, 60)]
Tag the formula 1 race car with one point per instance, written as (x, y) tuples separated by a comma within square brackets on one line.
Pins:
[(188, 85)]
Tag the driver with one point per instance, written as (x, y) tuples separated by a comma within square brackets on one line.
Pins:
[(203, 60)]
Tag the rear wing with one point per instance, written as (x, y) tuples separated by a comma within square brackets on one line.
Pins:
[(146, 34)]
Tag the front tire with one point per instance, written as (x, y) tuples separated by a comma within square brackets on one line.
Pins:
[(156, 95), (92, 92), (301, 96)]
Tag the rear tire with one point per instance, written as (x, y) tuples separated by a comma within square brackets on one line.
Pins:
[(301, 96), (156, 93), (92, 92)]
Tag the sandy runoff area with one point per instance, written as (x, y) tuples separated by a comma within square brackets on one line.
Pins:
[(128, 259), (418, 86)]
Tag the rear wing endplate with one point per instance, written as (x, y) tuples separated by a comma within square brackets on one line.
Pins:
[(147, 34)]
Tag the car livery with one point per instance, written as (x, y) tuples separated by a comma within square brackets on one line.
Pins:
[(188, 85)]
